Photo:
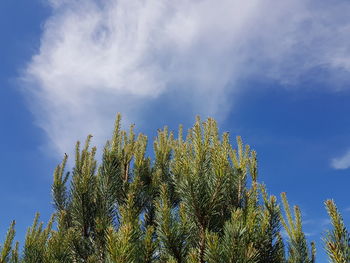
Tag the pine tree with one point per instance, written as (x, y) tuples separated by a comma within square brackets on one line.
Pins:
[(338, 239), (9, 254), (298, 249), (198, 201)]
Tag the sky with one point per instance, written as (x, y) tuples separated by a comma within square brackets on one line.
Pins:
[(275, 72)]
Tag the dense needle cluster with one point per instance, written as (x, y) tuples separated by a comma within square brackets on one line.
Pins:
[(199, 201)]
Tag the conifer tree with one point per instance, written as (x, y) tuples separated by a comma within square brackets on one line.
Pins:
[(8, 253), (298, 249), (198, 201), (338, 239)]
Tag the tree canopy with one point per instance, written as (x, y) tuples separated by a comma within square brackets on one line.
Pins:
[(198, 200)]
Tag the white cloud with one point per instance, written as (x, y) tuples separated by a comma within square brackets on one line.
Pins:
[(97, 58), (342, 162)]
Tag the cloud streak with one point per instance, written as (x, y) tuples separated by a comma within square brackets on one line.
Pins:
[(342, 162), (97, 58)]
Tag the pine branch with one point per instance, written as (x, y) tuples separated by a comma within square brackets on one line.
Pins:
[(7, 247), (337, 240)]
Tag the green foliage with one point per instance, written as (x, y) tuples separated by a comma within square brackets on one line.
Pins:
[(36, 242), (198, 201), (173, 229), (298, 249), (8, 254), (338, 239)]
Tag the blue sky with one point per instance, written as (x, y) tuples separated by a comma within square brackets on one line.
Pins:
[(276, 74)]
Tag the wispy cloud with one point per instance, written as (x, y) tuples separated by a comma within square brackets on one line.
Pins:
[(342, 162), (100, 57)]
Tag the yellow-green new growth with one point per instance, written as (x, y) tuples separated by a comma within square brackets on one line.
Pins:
[(337, 240), (6, 249), (298, 249), (197, 201)]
